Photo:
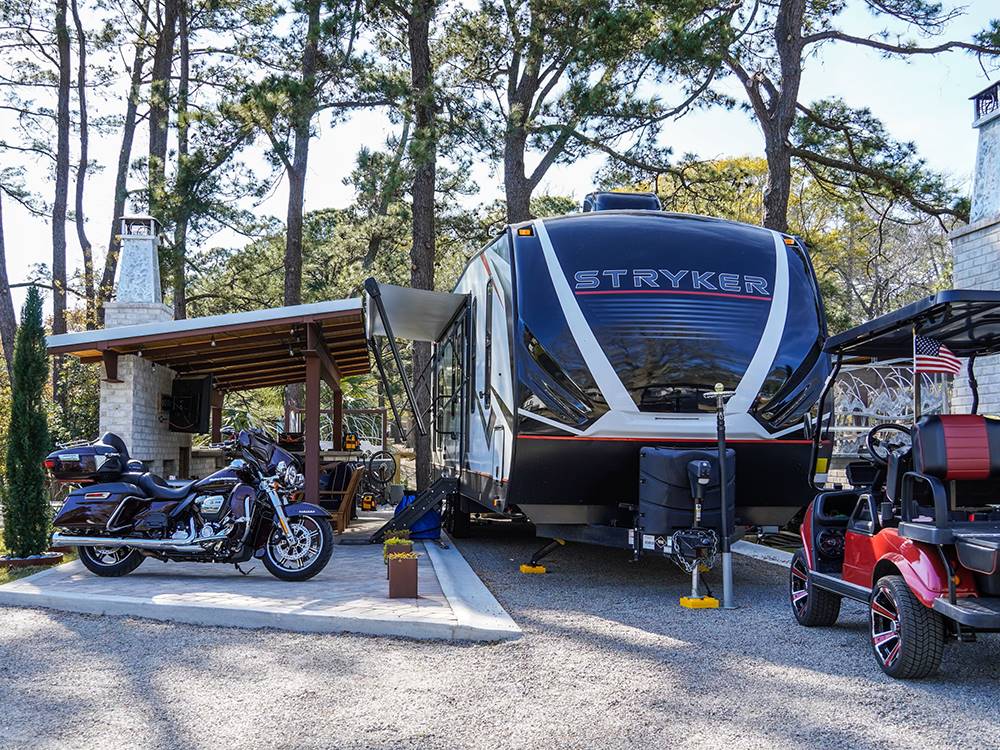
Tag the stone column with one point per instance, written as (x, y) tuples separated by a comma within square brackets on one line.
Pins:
[(133, 407), (976, 247)]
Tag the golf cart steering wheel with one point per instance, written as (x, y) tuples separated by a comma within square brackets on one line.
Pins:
[(879, 448)]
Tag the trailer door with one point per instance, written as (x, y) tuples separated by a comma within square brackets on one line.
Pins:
[(450, 368)]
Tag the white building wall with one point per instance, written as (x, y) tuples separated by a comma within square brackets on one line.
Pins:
[(976, 253)]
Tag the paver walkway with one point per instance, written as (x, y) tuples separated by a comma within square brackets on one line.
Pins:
[(350, 595)]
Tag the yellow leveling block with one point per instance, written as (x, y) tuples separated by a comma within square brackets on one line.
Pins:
[(532, 569), (699, 602)]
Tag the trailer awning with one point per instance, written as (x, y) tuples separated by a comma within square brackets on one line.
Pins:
[(413, 314)]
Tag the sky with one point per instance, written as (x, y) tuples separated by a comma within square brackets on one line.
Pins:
[(924, 100)]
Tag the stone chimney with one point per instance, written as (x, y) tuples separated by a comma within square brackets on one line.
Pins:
[(132, 407), (976, 247)]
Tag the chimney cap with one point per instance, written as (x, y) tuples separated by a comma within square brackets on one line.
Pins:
[(986, 104), (139, 225)]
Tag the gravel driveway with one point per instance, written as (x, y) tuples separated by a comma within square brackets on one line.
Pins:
[(608, 660)]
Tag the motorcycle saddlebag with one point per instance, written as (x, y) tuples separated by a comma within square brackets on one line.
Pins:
[(91, 507), (96, 462)]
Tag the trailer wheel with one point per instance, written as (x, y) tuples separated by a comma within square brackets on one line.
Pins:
[(907, 638), (812, 606), (458, 521)]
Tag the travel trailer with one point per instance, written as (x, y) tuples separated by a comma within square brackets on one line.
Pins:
[(571, 343)]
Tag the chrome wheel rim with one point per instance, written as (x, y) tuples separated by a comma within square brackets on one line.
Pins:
[(108, 556), (301, 549), (885, 626), (799, 586)]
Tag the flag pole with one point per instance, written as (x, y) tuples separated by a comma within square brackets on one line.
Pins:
[(916, 380)]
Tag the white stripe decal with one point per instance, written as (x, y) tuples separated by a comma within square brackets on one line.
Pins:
[(604, 374), (549, 422), (759, 367)]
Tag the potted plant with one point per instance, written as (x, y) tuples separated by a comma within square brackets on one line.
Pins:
[(26, 511), (403, 575), (398, 543)]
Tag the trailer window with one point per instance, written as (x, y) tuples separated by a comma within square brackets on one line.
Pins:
[(555, 381), (488, 344), (676, 305), (799, 367)]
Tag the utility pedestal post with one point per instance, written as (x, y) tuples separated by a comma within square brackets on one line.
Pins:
[(720, 394)]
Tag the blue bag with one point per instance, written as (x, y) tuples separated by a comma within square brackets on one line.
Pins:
[(429, 524)]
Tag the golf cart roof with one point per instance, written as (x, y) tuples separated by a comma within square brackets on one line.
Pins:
[(966, 321)]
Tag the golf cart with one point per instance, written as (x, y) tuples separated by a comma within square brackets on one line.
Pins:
[(917, 535)]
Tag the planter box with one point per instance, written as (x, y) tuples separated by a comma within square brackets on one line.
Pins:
[(403, 579), (46, 560), (406, 547)]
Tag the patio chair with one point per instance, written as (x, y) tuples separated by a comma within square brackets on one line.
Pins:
[(344, 499)]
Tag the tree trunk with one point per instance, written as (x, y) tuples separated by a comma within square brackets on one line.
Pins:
[(424, 158), (183, 178), (159, 103), (8, 323), (61, 196), (121, 176), (81, 171), (305, 108), (516, 186), (788, 41), (779, 183)]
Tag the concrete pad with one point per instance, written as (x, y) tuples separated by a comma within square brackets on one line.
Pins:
[(350, 595)]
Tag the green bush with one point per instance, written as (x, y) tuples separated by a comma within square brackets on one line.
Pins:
[(26, 506)]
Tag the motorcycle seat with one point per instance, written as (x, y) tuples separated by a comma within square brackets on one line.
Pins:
[(157, 488)]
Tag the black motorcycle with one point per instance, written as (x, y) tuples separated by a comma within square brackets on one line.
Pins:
[(121, 514)]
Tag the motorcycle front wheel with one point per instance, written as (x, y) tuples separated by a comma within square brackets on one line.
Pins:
[(302, 556)]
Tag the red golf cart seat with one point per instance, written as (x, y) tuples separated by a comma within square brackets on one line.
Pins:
[(956, 447), (955, 478)]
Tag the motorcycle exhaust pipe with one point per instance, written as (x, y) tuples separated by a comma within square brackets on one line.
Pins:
[(190, 543)]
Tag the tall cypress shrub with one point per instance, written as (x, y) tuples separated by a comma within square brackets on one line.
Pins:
[(26, 503)]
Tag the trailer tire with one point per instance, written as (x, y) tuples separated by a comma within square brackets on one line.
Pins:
[(458, 521), (811, 605), (907, 638)]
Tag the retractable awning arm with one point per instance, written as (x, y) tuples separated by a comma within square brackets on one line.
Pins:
[(376, 306)]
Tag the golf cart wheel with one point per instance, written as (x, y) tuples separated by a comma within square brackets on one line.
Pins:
[(907, 637), (110, 562), (812, 606)]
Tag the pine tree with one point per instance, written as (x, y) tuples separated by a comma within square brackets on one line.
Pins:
[(26, 506)]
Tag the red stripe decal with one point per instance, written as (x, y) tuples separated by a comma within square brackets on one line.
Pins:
[(967, 447), (677, 291), (660, 440)]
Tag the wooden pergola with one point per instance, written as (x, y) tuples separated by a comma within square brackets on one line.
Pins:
[(281, 346)]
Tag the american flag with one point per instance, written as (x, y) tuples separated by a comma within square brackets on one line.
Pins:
[(930, 355)]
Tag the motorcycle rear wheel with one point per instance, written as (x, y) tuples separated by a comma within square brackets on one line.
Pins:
[(306, 556), (110, 562)]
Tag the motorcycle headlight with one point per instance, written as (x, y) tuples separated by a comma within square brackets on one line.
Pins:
[(290, 476)]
